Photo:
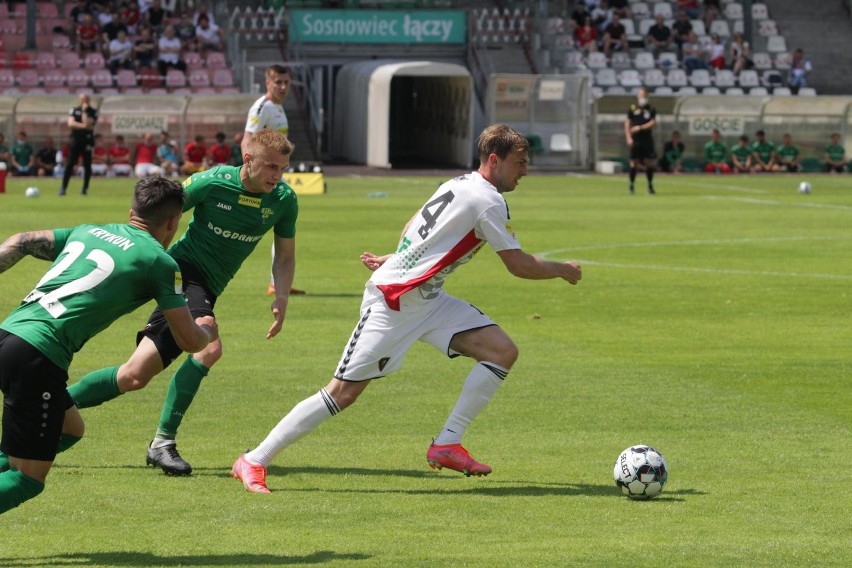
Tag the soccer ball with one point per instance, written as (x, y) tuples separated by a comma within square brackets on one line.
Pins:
[(641, 472), (805, 187), (32, 191)]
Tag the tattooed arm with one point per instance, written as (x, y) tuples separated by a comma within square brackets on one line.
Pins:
[(39, 244)]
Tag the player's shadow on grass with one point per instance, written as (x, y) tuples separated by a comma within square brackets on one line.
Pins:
[(150, 559)]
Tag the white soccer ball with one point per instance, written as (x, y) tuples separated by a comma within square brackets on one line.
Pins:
[(805, 187), (32, 191), (641, 472)]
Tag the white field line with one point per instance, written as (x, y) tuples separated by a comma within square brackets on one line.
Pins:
[(697, 242), (756, 201), (640, 179), (809, 275)]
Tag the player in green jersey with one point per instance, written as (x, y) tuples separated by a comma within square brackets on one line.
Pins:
[(741, 156), (99, 273), (716, 155), (233, 208), (763, 153), (834, 159), (788, 155)]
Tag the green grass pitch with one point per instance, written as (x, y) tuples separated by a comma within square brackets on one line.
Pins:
[(712, 322)]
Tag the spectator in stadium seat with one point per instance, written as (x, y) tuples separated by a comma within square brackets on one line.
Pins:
[(23, 156), (45, 158), (712, 9), (236, 150), (672, 160), (169, 52), (88, 36), (5, 154), (797, 75), (120, 53), (185, 31), (100, 157), (131, 16), (741, 162), (144, 50), (681, 28), (220, 152), (195, 157), (155, 17), (694, 54), (620, 8), (716, 155), (762, 153), (740, 53), (587, 36), (119, 157), (203, 11), (579, 15), (787, 155), (716, 56), (601, 16), (834, 158), (167, 153), (145, 157), (208, 36), (659, 35), (691, 7), (109, 31), (615, 36)]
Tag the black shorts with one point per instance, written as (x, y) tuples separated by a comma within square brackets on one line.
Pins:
[(643, 149), (34, 400), (200, 300), (792, 168)]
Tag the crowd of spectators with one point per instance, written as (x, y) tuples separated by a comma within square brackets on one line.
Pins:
[(118, 158), (141, 34)]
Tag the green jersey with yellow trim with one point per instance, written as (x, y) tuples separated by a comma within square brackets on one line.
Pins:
[(100, 273), (228, 221)]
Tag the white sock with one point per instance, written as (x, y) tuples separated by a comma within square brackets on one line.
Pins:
[(300, 421), (481, 384), (161, 442)]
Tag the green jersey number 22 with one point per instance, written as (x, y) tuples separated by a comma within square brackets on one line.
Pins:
[(51, 301)]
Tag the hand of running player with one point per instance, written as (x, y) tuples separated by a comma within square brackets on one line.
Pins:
[(573, 272), (279, 308), (372, 261)]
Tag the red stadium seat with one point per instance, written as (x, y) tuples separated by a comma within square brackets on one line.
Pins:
[(7, 79), (94, 61), (199, 79), (22, 61), (54, 78), (45, 60), (223, 78), (125, 79), (28, 79), (101, 79), (216, 60), (77, 78), (69, 60), (175, 78)]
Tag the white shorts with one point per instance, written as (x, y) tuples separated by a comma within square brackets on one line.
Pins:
[(148, 169), (122, 169), (97, 169), (383, 336)]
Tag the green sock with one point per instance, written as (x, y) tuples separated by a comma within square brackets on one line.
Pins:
[(15, 488), (66, 441), (182, 389), (95, 388)]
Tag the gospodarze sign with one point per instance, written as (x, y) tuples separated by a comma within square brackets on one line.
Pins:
[(386, 26)]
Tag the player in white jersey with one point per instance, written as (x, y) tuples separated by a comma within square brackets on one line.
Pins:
[(404, 301), (268, 112)]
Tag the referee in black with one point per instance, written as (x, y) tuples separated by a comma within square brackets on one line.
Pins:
[(641, 119), (81, 121)]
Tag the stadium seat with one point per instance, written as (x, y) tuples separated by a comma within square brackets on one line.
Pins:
[(782, 61), (621, 60), (606, 78), (677, 78), (616, 90), (157, 91), (807, 92), (101, 79), (663, 8), (61, 44), (228, 90), (782, 92), (630, 78), (759, 11), (758, 91), (28, 79), (710, 91), (734, 11), (749, 79), (45, 60), (54, 78), (7, 79), (69, 60), (698, 27), (734, 91), (150, 78), (199, 79), (193, 60), (204, 91), (640, 10), (22, 60), (216, 60), (771, 79), (596, 60), (223, 78), (767, 28), (663, 91), (721, 28), (762, 61), (560, 142), (667, 60), (134, 91), (77, 78), (687, 91), (645, 25), (108, 91), (94, 61), (59, 91), (182, 91), (644, 60), (700, 78), (573, 61), (654, 78), (175, 78), (125, 79), (725, 79)]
